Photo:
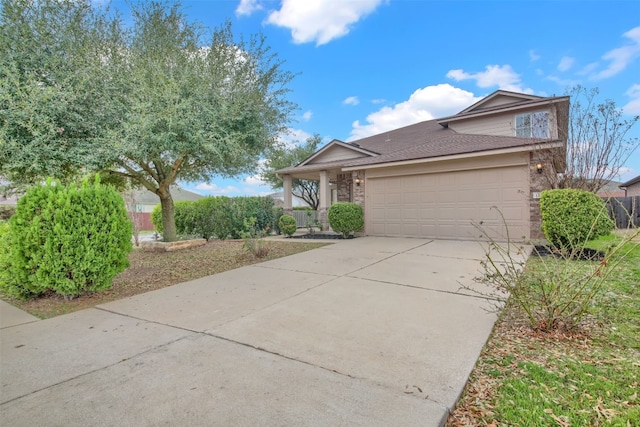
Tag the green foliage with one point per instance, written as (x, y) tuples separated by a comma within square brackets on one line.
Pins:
[(219, 217), (556, 291), (5, 261), (156, 218), (154, 99), (69, 239), (287, 225), (571, 217), (278, 211), (253, 237), (282, 157), (346, 218), (586, 378), (51, 88)]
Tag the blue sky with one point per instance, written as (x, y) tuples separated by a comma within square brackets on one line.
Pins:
[(366, 66)]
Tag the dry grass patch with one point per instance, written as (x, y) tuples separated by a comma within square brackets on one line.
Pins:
[(149, 271)]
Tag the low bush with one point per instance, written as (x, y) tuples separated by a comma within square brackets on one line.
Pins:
[(68, 239), (253, 238), (220, 217), (345, 218), (556, 290), (570, 217), (287, 225), (278, 211)]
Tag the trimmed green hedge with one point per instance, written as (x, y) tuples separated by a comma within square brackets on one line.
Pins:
[(219, 217), (571, 217), (345, 218), (288, 225), (69, 239)]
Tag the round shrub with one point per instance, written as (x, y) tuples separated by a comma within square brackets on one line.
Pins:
[(69, 239), (346, 218), (287, 225), (571, 217)]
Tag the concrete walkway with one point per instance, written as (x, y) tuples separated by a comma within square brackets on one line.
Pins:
[(364, 332)]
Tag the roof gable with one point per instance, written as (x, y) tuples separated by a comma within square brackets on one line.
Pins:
[(498, 98), (337, 150)]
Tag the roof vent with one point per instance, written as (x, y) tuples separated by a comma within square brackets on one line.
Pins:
[(355, 145)]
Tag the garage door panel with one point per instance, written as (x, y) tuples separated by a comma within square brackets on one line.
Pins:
[(445, 205)]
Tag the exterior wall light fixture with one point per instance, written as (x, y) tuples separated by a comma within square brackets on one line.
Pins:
[(357, 180), (539, 167)]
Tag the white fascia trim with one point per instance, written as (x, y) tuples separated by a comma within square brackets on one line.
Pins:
[(557, 144), (332, 144)]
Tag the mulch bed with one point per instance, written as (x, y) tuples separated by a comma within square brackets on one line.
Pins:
[(584, 254), (321, 236)]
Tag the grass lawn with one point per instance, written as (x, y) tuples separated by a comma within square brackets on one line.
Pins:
[(587, 377), (149, 271)]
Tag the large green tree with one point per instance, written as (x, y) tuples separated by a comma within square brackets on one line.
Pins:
[(168, 99), (49, 90), (284, 156)]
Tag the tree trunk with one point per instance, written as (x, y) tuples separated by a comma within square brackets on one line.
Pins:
[(168, 216)]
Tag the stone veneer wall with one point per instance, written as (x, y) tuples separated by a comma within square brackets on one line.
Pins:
[(358, 190), (344, 184), (537, 184)]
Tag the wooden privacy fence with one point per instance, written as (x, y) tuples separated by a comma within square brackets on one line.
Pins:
[(625, 211)]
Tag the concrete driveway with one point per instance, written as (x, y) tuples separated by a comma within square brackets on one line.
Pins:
[(369, 331)]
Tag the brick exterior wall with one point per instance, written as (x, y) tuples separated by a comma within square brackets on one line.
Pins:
[(537, 184)]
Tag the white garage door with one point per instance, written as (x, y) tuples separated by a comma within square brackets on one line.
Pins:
[(445, 205)]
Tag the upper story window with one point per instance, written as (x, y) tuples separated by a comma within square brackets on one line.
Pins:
[(533, 125)]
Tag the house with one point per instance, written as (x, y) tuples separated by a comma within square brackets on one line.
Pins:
[(436, 178), (611, 189), (141, 202), (632, 187)]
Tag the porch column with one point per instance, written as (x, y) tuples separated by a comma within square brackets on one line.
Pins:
[(325, 199), (287, 194)]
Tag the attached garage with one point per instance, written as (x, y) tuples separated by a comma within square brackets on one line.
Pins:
[(446, 201), (440, 178)]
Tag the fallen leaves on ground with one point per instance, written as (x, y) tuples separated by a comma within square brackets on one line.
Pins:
[(154, 270)]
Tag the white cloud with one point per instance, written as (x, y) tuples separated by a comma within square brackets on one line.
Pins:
[(378, 101), (533, 56), (424, 104), (626, 173), (633, 107), (319, 20), (294, 137), (502, 76), (352, 100), (566, 63), (247, 7), (307, 115), (561, 81), (619, 58), (215, 190)]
